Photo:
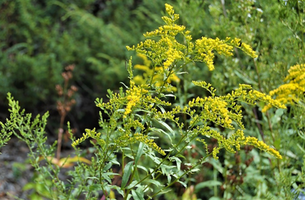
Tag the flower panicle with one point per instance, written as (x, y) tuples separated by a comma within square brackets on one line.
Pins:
[(134, 95), (292, 91), (138, 137), (236, 42), (205, 85), (157, 73), (235, 141), (89, 134), (169, 49)]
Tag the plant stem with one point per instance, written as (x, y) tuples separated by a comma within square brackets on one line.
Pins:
[(163, 160), (62, 119), (186, 172)]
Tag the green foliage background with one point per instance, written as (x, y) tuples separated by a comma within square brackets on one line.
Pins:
[(39, 38)]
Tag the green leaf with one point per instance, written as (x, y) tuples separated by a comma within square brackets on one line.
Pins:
[(217, 165), (154, 158), (35, 196), (156, 183), (245, 78), (215, 198), (94, 187), (163, 132), (118, 189), (137, 195), (291, 154), (166, 126), (139, 153), (209, 184), (161, 108), (126, 175), (277, 117), (182, 183), (301, 148), (164, 191), (178, 161), (143, 168), (131, 185), (28, 186), (170, 95), (107, 166), (277, 143)]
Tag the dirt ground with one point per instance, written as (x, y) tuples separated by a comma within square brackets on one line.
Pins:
[(14, 172)]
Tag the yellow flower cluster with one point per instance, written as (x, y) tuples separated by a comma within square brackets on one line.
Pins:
[(297, 74), (164, 53), (133, 97), (293, 91), (246, 94), (126, 139), (214, 109), (170, 29), (133, 123), (157, 75), (169, 9), (131, 130), (205, 47), (89, 134), (166, 30), (169, 49), (236, 140), (245, 47), (137, 137), (223, 110), (262, 146)]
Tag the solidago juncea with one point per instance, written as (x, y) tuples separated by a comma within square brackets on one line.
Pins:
[(167, 51), (147, 110), (156, 76), (224, 111), (292, 91)]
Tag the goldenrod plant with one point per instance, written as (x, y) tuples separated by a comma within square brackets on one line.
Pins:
[(143, 131), (291, 92), (143, 111)]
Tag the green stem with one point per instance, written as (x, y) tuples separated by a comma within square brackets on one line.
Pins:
[(133, 172), (152, 76), (167, 76), (163, 160), (178, 152), (186, 172)]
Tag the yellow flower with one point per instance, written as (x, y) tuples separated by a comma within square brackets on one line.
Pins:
[(133, 97), (245, 47), (169, 9), (157, 74), (293, 90), (205, 47)]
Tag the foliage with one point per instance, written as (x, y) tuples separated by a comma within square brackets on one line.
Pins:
[(161, 135), (132, 114), (40, 38)]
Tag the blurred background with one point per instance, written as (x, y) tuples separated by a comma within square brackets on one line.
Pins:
[(39, 39)]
